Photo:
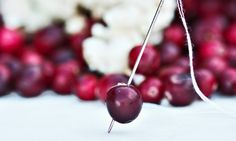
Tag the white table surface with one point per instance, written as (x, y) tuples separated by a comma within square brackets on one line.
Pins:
[(65, 118)]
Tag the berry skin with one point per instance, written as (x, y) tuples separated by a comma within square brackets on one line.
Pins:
[(228, 82), (85, 87), (124, 103), (152, 90), (5, 76), (150, 60)]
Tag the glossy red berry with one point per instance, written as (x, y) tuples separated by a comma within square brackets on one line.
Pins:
[(150, 60), (152, 90), (30, 82), (31, 57), (179, 90), (124, 103), (169, 53), (230, 34), (206, 81), (228, 82), (48, 39), (85, 87), (5, 77), (211, 49), (10, 40), (175, 33), (108, 81)]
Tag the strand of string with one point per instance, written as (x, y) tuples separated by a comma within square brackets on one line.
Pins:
[(190, 49), (145, 42)]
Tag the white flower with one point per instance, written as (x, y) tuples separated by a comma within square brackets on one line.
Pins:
[(127, 23)]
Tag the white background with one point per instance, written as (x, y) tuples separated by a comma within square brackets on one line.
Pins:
[(65, 118)]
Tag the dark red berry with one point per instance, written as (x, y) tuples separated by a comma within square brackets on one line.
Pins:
[(231, 56), (62, 55), (175, 33), (230, 34), (106, 82), (85, 87), (209, 8), (179, 90), (228, 82), (71, 66), (5, 77), (182, 62), (48, 39), (206, 81), (124, 103), (152, 90), (211, 49), (216, 65), (48, 71), (169, 53), (31, 57), (150, 60), (30, 82), (165, 73), (10, 40)]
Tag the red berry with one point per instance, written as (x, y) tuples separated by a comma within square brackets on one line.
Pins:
[(175, 33), (211, 49), (10, 40), (230, 34), (70, 66), (62, 55), (31, 57), (179, 90), (85, 87), (150, 60), (48, 71), (208, 8), (169, 53), (106, 82), (5, 77), (152, 90), (228, 82), (216, 65), (63, 82), (165, 73), (206, 81), (48, 39), (182, 62), (30, 82), (231, 55), (124, 103)]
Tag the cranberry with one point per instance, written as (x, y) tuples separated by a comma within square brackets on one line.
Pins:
[(48, 71), (206, 81), (231, 55), (152, 90), (182, 62), (208, 29), (31, 57), (230, 9), (48, 39), (12, 63), (70, 66), (208, 8), (63, 82), (169, 53), (230, 34), (175, 33), (106, 82), (211, 49), (124, 103), (85, 87), (5, 76), (150, 60), (228, 82), (76, 42), (179, 91), (10, 40), (216, 65), (62, 55), (165, 73), (30, 82)]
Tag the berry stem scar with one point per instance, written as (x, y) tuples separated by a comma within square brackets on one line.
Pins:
[(145, 42)]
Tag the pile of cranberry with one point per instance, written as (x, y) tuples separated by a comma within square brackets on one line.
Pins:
[(51, 59)]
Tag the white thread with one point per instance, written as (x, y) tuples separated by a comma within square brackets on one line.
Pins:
[(145, 42), (190, 49)]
